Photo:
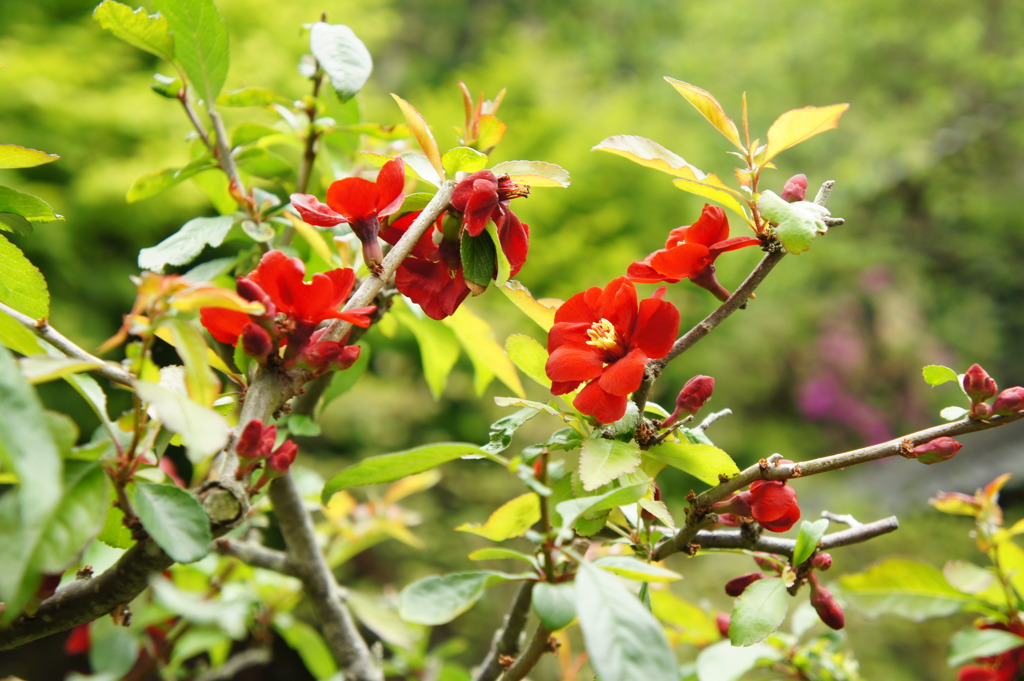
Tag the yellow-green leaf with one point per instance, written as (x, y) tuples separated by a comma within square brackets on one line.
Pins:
[(422, 133), (704, 462), (513, 519), (534, 173), (537, 310), (602, 461), (13, 156), (488, 357), (798, 125), (647, 153), (529, 356), (708, 106), (710, 187)]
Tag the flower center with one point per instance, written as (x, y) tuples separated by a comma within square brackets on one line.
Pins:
[(603, 335)]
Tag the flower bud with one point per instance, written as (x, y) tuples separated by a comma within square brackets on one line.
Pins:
[(1008, 402), (981, 410), (978, 385), (821, 561), (78, 641), (722, 622), (940, 449), (737, 585), (249, 443), (256, 342), (827, 607), (281, 460), (795, 188), (767, 563), (691, 398), (250, 290)]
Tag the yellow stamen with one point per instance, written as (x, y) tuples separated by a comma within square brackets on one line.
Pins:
[(603, 335)]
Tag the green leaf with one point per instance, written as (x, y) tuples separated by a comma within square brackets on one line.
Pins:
[(439, 348), (905, 588), (808, 539), (157, 181), (9, 222), (440, 599), (503, 266), (425, 138), (529, 356), (13, 156), (200, 43), (647, 153), (537, 310), (76, 519), (623, 640), (342, 381), (969, 644), (489, 359), (967, 577), (200, 381), (723, 661), (709, 108), (533, 173), (342, 56), (479, 259), (758, 611), (462, 160), (252, 96), (570, 510), (308, 643), (27, 206), (498, 553), (512, 519), (229, 613), (22, 285), (173, 518), (147, 32), (555, 604), (710, 187), (113, 649), (203, 430), (602, 461), (43, 368), (936, 374), (798, 125), (503, 429), (704, 462), (796, 224), (636, 569), (391, 467)]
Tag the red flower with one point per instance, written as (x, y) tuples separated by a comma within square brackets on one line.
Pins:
[(359, 202), (1002, 667), (602, 336), (482, 197), (772, 503), (690, 253), (78, 641)]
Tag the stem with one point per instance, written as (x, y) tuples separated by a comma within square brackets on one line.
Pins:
[(735, 539), (193, 117), (528, 660), (506, 642), (257, 555), (42, 328)]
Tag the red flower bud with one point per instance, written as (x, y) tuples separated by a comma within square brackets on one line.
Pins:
[(821, 561), (691, 398), (1008, 402), (737, 585), (940, 449), (981, 410), (256, 342), (78, 641), (250, 290), (256, 440), (773, 505), (283, 457), (795, 188), (827, 608), (767, 563), (978, 385), (722, 622)]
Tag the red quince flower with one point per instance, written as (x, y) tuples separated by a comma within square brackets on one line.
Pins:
[(772, 503), (359, 202), (483, 197), (602, 337), (690, 253)]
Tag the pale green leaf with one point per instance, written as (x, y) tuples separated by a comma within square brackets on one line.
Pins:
[(440, 599), (200, 43), (537, 310), (798, 125), (709, 108), (936, 374), (502, 265), (43, 368), (512, 519), (157, 181), (173, 518), (439, 348), (76, 519), (969, 644), (498, 553), (200, 381), (13, 156), (636, 569), (758, 611), (967, 577), (571, 510), (489, 359), (602, 461), (647, 153), (148, 32), (555, 604), (22, 285), (710, 187), (905, 588), (723, 661), (463, 160), (27, 206), (623, 640), (808, 539), (203, 430), (308, 643), (528, 356), (342, 56), (533, 173), (796, 224), (953, 413), (704, 462)]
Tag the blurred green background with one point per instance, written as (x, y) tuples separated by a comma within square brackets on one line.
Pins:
[(928, 162)]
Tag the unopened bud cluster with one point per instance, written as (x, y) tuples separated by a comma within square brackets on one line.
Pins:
[(980, 388), (691, 398), (255, 448)]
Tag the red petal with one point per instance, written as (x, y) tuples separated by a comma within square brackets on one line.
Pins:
[(315, 213), (618, 305), (463, 194), (515, 240), (390, 183), (223, 324), (733, 244), (432, 286), (563, 387), (577, 308), (643, 273), (353, 197), (569, 363), (568, 333), (656, 329), (711, 227), (681, 261), (624, 376), (599, 404), (281, 278)]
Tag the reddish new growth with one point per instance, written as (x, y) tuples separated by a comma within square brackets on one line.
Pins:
[(602, 337), (772, 503), (360, 203), (691, 398), (255, 448), (294, 309), (690, 253)]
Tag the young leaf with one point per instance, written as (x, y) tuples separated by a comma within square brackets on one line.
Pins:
[(807, 540), (498, 553), (555, 604), (602, 461), (513, 519), (174, 519), (203, 430), (647, 153), (936, 374), (147, 32), (422, 134), (796, 224), (704, 462), (623, 640), (534, 173), (13, 156), (342, 56), (798, 125), (902, 587), (22, 285), (391, 467), (200, 43), (758, 611), (636, 569), (528, 356), (537, 310), (709, 108), (969, 644), (27, 206), (710, 187), (439, 348), (463, 160), (440, 599)]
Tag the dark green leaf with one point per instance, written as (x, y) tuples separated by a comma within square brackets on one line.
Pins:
[(478, 258), (758, 611), (148, 32), (27, 206), (342, 56), (200, 43), (174, 519), (623, 640), (440, 599), (555, 604), (807, 540)]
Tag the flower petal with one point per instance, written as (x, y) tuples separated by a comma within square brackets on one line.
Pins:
[(569, 363), (390, 183), (315, 213), (656, 329), (599, 404), (681, 261), (353, 197), (711, 227), (624, 376)]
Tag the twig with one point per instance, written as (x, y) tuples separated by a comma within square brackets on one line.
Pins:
[(506, 642), (735, 539), (528, 660), (339, 628), (42, 328), (257, 555), (236, 664)]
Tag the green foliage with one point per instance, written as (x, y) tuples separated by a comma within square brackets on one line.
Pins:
[(707, 463), (200, 43), (808, 538), (342, 56), (437, 600), (555, 604), (905, 588), (173, 518), (758, 611)]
